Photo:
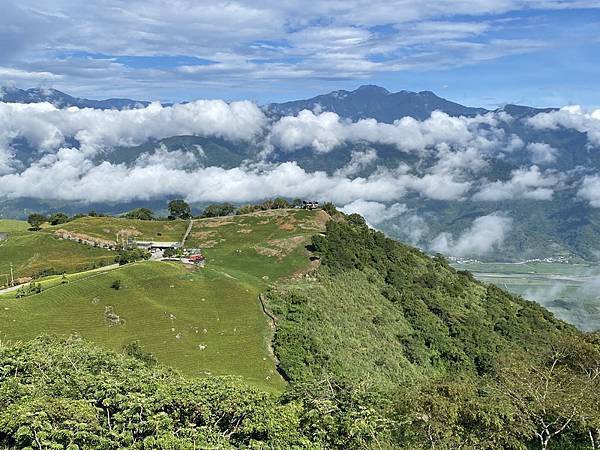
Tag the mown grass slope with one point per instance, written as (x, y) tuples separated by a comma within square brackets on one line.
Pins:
[(267, 244), (10, 226), (207, 320), (32, 253), (108, 227)]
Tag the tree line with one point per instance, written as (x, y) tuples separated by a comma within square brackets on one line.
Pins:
[(177, 209)]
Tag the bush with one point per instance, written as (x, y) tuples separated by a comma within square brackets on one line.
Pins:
[(128, 256), (116, 285)]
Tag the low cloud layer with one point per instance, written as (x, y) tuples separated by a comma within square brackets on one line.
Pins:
[(528, 183), (374, 212), (324, 131), (46, 128), (485, 234), (441, 158), (574, 117)]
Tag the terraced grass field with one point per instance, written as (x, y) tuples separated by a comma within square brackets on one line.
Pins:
[(33, 252), (10, 226), (205, 320)]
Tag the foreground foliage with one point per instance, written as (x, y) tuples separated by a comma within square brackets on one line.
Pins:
[(69, 394)]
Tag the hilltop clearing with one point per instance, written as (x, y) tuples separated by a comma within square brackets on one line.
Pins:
[(201, 321)]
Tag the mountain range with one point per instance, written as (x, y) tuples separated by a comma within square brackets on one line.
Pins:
[(62, 100), (452, 166)]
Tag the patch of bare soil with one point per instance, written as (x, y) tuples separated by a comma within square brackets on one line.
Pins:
[(279, 248), (214, 223), (112, 317), (84, 238)]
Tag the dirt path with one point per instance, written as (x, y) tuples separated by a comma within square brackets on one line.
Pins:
[(187, 232), (92, 272)]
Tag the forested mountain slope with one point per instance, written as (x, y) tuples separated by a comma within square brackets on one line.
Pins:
[(448, 361)]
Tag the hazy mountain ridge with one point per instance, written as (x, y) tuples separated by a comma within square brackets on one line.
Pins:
[(444, 165), (62, 100)]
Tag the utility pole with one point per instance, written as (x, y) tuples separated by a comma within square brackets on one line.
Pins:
[(12, 277)]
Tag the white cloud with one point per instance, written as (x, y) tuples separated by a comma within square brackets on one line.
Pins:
[(358, 161), (574, 117), (528, 183), (542, 153), (69, 175), (46, 127), (9, 75), (325, 131), (485, 234), (590, 190), (374, 212)]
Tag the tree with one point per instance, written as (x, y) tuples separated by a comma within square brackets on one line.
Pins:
[(246, 209), (36, 220), (128, 256), (140, 214), (280, 203), (58, 218), (219, 210), (549, 395), (179, 209), (330, 209), (297, 203)]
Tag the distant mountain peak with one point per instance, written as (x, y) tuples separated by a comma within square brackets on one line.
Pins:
[(372, 101), (372, 89), (59, 99)]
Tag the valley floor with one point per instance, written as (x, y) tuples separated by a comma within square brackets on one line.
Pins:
[(570, 291)]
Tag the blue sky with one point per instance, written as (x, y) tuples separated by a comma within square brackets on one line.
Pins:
[(477, 52)]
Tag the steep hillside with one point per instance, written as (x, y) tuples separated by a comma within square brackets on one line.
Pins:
[(381, 347), (448, 360)]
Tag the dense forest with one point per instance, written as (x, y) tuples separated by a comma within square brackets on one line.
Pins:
[(433, 358), (382, 347)]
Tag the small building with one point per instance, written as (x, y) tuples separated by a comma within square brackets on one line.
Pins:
[(155, 245), (196, 259), (310, 204), (3, 236)]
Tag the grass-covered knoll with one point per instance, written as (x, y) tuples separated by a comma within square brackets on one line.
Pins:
[(34, 253), (199, 322), (68, 394), (262, 244), (447, 361), (107, 228), (204, 321), (10, 226)]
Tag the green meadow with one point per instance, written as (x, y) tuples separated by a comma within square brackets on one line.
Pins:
[(11, 226), (32, 253), (108, 227), (199, 320)]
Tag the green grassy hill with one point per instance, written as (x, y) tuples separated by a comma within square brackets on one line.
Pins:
[(380, 345), (200, 321), (108, 227), (33, 253), (10, 226)]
